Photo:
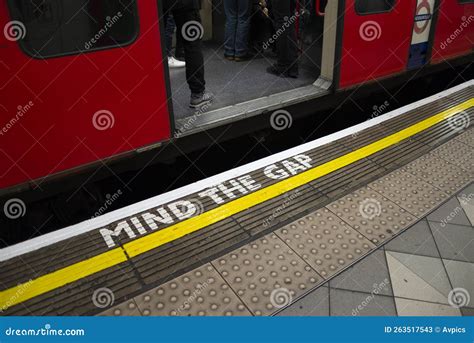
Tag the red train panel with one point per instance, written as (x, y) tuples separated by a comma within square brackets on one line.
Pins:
[(377, 44), (454, 30), (62, 112)]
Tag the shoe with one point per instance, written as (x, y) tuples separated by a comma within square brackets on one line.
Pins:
[(174, 63), (229, 57), (201, 99), (278, 71)]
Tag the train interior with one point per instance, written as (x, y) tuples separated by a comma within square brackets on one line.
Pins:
[(245, 88)]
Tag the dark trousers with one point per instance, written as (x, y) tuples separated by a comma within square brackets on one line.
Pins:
[(170, 26), (286, 43), (237, 15), (192, 50)]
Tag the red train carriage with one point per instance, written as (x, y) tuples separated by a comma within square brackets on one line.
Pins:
[(82, 82)]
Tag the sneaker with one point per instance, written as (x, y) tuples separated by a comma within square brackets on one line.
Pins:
[(291, 72), (229, 57), (201, 99), (174, 63)]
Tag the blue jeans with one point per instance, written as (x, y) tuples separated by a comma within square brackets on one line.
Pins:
[(237, 26)]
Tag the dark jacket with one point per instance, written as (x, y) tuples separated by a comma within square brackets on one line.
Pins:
[(181, 5)]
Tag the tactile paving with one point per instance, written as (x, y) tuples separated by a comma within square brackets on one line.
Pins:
[(266, 274), (373, 215), (457, 153), (467, 137), (409, 192), (325, 242), (128, 308), (200, 292), (439, 173)]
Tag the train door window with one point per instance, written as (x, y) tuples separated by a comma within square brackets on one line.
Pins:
[(374, 6), (61, 27)]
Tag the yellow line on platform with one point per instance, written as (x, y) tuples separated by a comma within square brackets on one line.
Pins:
[(77, 271)]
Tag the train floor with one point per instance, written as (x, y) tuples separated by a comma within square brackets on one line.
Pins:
[(376, 219), (234, 82)]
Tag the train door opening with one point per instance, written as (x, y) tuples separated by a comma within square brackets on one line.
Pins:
[(246, 87)]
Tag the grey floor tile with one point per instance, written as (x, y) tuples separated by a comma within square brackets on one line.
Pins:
[(450, 212), (315, 303), (369, 275), (408, 307), (461, 275), (455, 242), (349, 303), (416, 240), (469, 189), (466, 199), (418, 277)]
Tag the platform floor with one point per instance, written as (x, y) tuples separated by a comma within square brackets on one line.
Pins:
[(338, 217), (234, 82)]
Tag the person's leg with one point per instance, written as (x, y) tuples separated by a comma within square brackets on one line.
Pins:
[(243, 25), (179, 51), (230, 9), (283, 12), (169, 30), (194, 59)]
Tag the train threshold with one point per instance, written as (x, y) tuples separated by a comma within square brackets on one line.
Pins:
[(257, 239)]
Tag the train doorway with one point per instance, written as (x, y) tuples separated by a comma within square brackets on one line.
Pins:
[(245, 88)]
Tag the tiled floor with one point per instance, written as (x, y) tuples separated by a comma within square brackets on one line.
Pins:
[(427, 270)]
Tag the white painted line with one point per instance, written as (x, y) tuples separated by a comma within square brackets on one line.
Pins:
[(99, 222)]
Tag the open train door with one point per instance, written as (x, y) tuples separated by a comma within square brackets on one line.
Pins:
[(376, 39)]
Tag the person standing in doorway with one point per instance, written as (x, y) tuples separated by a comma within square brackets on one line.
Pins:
[(237, 13), (286, 43), (188, 23)]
